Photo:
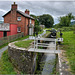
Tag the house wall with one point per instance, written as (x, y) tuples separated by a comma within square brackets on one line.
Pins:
[(8, 33), (13, 16), (13, 30), (7, 18), (1, 34), (33, 22), (21, 23), (26, 27)]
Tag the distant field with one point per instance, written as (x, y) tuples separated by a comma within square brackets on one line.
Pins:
[(69, 47)]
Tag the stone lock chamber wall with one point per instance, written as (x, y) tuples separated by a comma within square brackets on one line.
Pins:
[(23, 60)]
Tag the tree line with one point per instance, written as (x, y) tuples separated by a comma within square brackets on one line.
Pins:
[(44, 19), (64, 21), (48, 21)]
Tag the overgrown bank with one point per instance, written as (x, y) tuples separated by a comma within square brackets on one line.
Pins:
[(69, 47), (6, 66)]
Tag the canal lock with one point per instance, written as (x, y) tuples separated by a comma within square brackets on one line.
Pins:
[(46, 64)]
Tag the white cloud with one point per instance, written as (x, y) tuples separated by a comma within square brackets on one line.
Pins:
[(52, 7), (4, 11)]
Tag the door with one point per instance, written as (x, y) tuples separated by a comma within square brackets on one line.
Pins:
[(5, 34)]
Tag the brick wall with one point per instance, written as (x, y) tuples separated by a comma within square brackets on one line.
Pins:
[(7, 19), (21, 23), (13, 29), (1, 34), (33, 22)]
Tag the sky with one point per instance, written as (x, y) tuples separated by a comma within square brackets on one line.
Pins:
[(56, 8)]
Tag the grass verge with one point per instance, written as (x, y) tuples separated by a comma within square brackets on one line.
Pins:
[(69, 47), (6, 66), (22, 38), (24, 44)]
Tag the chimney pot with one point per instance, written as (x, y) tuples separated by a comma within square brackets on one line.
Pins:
[(14, 6), (14, 3), (27, 11)]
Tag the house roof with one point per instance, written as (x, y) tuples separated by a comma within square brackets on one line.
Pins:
[(24, 14), (20, 12), (6, 13)]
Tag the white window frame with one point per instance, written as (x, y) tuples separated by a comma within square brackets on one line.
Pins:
[(30, 21), (18, 30), (19, 18)]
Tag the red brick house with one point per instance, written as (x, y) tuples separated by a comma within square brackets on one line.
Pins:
[(22, 20), (7, 29)]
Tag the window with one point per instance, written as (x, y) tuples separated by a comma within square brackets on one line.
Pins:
[(30, 21), (19, 29), (19, 18)]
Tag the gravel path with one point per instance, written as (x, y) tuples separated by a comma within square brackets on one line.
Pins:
[(2, 50)]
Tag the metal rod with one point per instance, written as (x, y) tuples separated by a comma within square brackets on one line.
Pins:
[(34, 43)]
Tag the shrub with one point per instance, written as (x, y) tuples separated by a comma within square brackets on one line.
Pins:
[(67, 29)]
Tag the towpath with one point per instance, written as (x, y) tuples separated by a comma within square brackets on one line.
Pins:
[(2, 50)]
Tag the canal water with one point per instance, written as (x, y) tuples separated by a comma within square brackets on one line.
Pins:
[(48, 62)]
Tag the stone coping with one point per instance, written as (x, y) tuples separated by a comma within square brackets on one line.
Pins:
[(12, 45)]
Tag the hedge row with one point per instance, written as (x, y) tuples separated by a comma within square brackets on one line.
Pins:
[(67, 29)]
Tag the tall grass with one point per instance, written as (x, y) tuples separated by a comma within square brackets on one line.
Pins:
[(5, 66), (69, 46)]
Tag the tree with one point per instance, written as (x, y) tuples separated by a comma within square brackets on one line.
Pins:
[(37, 28), (46, 20), (57, 26), (65, 20), (33, 16), (70, 16), (36, 19)]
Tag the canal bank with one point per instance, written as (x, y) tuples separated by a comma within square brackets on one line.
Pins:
[(43, 63)]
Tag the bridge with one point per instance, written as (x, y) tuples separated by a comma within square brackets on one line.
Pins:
[(45, 45)]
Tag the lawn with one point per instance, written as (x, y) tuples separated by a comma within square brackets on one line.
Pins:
[(69, 47), (6, 66), (24, 44)]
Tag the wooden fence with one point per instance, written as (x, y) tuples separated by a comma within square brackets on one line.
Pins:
[(8, 39)]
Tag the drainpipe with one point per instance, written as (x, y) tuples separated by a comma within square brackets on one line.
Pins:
[(25, 27)]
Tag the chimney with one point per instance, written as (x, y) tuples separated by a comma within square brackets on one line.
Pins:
[(14, 6), (27, 11), (14, 13)]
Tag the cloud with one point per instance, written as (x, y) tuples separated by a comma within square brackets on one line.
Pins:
[(1, 10), (54, 8)]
